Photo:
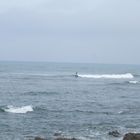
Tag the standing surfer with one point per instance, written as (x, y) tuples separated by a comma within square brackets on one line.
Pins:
[(76, 74)]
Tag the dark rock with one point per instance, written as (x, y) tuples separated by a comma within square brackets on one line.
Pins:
[(65, 139), (132, 136), (57, 134), (38, 138), (114, 133)]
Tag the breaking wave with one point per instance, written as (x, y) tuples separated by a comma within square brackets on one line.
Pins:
[(23, 109), (109, 76)]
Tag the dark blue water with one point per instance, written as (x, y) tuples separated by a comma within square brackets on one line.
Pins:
[(40, 99)]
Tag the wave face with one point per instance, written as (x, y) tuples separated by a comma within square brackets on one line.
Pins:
[(109, 76), (23, 109)]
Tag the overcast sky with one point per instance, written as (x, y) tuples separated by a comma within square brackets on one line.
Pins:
[(97, 31)]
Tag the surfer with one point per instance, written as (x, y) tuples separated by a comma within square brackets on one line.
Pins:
[(76, 74)]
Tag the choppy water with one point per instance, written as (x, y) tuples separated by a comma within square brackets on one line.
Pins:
[(40, 99)]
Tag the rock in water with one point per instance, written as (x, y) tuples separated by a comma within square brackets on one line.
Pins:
[(38, 138), (114, 133), (132, 136), (57, 134), (65, 139)]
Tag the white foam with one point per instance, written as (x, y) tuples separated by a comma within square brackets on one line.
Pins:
[(109, 76), (23, 109), (133, 82)]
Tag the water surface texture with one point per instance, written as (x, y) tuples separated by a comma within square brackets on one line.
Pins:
[(40, 99)]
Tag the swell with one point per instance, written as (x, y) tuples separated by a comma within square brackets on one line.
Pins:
[(44, 109), (40, 93)]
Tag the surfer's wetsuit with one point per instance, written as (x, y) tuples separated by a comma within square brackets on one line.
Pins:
[(76, 74)]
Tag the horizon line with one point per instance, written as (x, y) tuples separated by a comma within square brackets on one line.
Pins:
[(44, 61)]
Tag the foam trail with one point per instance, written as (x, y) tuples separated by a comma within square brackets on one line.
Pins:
[(23, 109), (109, 76)]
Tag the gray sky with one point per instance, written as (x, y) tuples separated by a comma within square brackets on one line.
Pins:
[(100, 31)]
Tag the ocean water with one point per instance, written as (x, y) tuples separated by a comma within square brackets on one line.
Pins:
[(41, 99)]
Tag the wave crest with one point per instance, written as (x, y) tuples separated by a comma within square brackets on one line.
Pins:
[(109, 76), (133, 82), (23, 109)]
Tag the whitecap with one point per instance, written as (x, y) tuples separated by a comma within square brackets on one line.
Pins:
[(133, 82), (121, 112), (22, 109), (108, 76)]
